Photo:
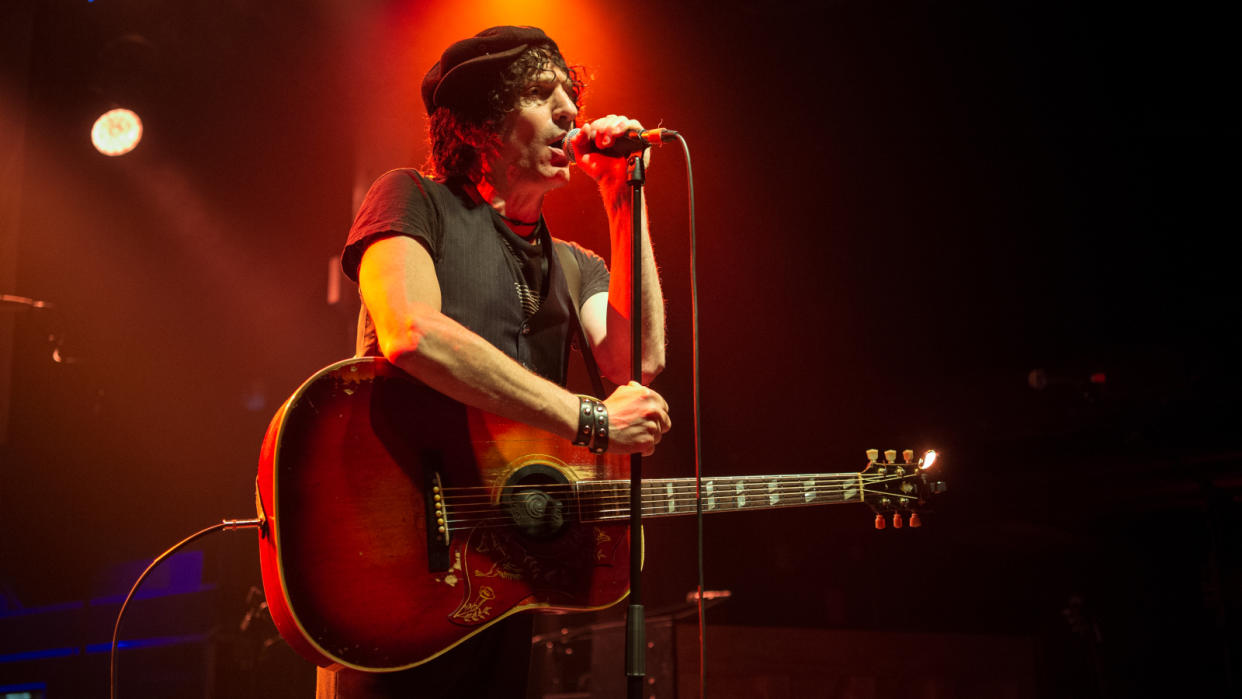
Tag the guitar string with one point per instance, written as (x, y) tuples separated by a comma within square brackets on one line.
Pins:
[(659, 496), (655, 509), (493, 515), (621, 509), (727, 482), (678, 483), (620, 513), (593, 493), (490, 523), (604, 508), (773, 499), (603, 499), (784, 477), (597, 490)]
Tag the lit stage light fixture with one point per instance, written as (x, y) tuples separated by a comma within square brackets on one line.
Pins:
[(116, 132)]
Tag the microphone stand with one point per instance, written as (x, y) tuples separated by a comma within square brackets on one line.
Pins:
[(635, 623)]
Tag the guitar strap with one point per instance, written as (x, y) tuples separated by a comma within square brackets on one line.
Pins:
[(573, 279)]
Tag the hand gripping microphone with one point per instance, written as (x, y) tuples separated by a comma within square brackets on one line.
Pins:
[(631, 141)]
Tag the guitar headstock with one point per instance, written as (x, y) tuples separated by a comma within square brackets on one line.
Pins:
[(897, 489)]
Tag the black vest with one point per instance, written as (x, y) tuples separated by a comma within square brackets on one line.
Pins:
[(477, 287)]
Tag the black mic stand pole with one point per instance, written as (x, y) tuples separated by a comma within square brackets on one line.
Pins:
[(635, 624)]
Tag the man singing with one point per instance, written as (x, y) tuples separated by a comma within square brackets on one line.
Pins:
[(462, 288)]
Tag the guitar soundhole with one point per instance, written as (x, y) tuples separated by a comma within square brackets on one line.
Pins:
[(537, 498)]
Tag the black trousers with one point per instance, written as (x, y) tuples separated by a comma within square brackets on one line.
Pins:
[(493, 664)]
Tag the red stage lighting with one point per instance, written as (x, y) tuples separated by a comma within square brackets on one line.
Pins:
[(116, 132)]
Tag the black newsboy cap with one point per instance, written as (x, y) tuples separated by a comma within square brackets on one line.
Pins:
[(470, 66)]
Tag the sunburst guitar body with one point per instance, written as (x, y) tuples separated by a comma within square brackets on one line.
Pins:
[(398, 522)]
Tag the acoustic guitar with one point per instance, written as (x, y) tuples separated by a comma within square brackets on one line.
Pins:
[(397, 522)]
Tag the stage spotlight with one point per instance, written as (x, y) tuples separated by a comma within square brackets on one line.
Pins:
[(116, 132)]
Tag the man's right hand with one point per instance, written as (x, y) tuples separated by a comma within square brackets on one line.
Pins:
[(637, 419)]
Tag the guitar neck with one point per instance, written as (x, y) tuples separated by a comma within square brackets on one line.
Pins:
[(668, 497)]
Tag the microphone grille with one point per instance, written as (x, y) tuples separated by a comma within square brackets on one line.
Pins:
[(568, 146)]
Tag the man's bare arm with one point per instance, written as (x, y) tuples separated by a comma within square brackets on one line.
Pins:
[(399, 285), (606, 318)]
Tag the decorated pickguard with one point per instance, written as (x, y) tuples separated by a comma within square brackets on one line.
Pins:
[(503, 569)]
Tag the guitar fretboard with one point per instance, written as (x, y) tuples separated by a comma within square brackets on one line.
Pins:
[(667, 497)]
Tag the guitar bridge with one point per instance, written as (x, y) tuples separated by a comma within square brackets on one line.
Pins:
[(436, 508)]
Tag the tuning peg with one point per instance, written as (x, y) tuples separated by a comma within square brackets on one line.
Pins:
[(872, 455), (879, 521), (896, 520), (915, 522), (907, 455), (890, 456)]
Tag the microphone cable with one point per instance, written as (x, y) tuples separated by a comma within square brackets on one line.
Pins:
[(696, 429), (225, 525)]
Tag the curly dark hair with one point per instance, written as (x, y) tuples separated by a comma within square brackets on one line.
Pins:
[(459, 136)]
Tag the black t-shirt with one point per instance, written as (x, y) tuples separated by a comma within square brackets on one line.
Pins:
[(498, 284), (511, 292)]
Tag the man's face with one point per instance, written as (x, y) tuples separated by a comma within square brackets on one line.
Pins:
[(530, 138)]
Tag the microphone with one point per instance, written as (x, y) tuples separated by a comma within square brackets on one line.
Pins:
[(631, 141)]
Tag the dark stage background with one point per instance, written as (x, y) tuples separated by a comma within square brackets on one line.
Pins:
[(996, 229)]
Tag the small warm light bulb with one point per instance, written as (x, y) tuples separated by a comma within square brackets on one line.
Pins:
[(116, 132), (929, 458)]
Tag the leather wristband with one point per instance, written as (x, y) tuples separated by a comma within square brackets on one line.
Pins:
[(586, 421), (600, 443)]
